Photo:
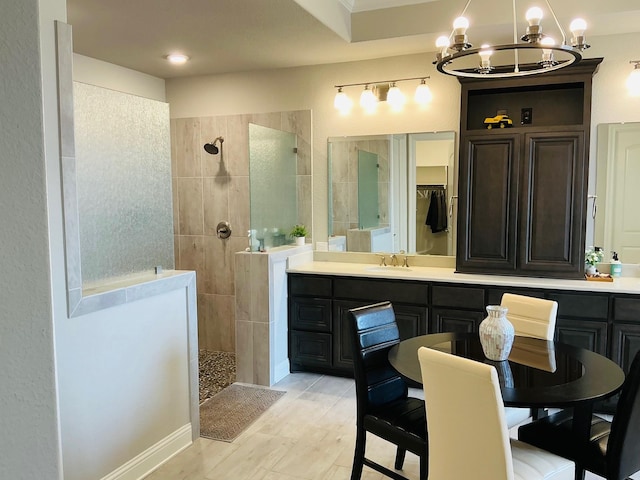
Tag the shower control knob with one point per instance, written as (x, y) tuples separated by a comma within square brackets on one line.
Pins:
[(223, 230)]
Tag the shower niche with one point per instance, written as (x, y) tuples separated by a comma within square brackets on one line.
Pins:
[(273, 187)]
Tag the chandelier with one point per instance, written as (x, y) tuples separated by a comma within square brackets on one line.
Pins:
[(535, 53)]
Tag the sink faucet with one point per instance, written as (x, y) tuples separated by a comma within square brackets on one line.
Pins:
[(394, 259), (383, 259)]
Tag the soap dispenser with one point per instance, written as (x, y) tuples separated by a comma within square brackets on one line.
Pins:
[(616, 265)]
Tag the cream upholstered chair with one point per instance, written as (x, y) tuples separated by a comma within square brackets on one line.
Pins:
[(468, 436), (530, 317)]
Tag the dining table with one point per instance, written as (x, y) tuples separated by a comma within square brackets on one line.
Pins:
[(537, 374)]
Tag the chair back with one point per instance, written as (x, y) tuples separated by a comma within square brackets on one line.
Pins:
[(530, 316), (623, 449), (467, 427), (373, 332)]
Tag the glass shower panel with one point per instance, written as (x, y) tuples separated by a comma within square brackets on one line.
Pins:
[(123, 170), (272, 183), (367, 189)]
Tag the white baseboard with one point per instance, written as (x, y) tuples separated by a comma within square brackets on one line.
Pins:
[(154, 456)]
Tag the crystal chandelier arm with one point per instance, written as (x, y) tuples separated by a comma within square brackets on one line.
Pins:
[(553, 14)]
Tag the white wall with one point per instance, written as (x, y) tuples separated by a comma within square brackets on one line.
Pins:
[(312, 88), (107, 75), (29, 435), (124, 382)]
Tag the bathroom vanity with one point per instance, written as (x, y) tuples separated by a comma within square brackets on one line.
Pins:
[(599, 316)]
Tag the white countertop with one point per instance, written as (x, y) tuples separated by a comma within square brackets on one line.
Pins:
[(630, 285)]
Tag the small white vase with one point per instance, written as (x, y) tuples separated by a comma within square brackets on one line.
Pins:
[(496, 333), (591, 270), (299, 241)]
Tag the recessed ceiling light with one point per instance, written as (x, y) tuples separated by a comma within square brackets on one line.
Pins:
[(177, 58)]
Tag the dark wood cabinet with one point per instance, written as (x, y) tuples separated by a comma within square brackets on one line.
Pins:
[(603, 322), (523, 190)]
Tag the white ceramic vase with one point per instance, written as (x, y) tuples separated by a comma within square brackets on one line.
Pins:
[(591, 270), (496, 333), (300, 241)]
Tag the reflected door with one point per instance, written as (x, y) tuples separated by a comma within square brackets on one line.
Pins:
[(367, 189), (622, 196)]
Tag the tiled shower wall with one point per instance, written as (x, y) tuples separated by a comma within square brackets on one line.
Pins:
[(208, 189)]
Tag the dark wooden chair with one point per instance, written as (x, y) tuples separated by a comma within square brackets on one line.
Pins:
[(384, 408), (613, 448)]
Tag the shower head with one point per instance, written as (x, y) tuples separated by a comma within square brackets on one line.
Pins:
[(211, 147)]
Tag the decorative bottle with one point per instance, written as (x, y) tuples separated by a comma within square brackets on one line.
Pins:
[(616, 265), (496, 333)]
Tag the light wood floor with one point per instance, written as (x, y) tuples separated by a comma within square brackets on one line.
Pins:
[(308, 434)]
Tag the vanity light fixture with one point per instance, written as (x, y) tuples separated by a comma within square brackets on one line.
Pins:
[(533, 54), (633, 80), (177, 58), (385, 90)]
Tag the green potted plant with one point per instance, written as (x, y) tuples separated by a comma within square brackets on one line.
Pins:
[(592, 257), (299, 232)]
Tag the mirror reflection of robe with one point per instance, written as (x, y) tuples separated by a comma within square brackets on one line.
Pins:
[(437, 213)]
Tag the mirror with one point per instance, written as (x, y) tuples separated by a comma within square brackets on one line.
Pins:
[(393, 192), (617, 223)]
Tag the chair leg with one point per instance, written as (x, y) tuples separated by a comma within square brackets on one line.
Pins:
[(358, 455), (400, 454), (424, 467), (579, 473)]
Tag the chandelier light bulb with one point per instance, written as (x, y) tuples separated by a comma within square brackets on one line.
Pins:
[(442, 42), (485, 54), (533, 16), (342, 102), (547, 53), (460, 26), (633, 81), (395, 97), (423, 94), (577, 27), (368, 100)]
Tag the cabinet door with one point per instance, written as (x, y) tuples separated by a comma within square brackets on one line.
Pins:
[(591, 335), (488, 203), (626, 342), (553, 204), (451, 320)]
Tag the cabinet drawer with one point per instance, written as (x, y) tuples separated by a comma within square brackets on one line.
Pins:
[(309, 285), (463, 297), (373, 290), (626, 309), (581, 306), (312, 314), (313, 349)]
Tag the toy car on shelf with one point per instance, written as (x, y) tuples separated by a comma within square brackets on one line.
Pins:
[(502, 121)]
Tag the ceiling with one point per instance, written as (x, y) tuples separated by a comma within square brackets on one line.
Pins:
[(225, 36)]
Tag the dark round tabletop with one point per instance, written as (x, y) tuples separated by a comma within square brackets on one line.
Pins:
[(537, 374)]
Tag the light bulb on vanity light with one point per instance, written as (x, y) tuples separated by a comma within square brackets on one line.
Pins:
[(395, 97), (633, 80), (423, 95), (342, 102), (368, 100)]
